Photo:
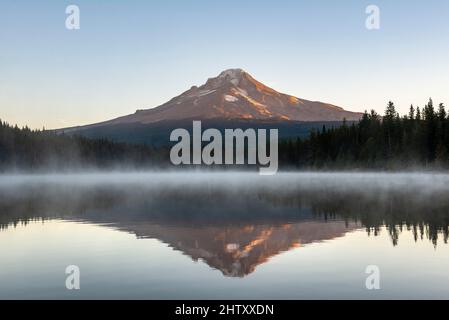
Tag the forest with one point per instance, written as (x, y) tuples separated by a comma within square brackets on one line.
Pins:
[(418, 140), (32, 150)]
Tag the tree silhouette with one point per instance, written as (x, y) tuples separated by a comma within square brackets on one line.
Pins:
[(419, 139)]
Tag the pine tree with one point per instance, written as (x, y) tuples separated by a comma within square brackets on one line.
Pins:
[(411, 114), (441, 112)]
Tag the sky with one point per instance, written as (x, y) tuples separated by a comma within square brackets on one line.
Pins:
[(131, 54)]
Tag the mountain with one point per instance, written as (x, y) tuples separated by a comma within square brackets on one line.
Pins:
[(232, 99), (235, 94)]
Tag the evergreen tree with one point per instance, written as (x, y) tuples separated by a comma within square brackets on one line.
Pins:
[(419, 139)]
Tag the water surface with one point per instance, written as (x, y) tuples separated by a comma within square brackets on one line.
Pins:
[(224, 235)]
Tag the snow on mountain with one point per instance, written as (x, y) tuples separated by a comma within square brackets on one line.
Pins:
[(235, 94)]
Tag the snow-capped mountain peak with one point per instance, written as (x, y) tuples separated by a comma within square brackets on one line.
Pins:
[(235, 94)]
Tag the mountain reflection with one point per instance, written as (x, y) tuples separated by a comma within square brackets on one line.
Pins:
[(236, 250), (232, 230)]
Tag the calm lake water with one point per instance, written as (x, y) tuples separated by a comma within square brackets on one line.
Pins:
[(224, 235)]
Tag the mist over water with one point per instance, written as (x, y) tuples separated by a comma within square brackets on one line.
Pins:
[(228, 180), (374, 198), (233, 223)]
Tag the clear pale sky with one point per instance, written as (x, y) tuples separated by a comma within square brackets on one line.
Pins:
[(132, 55)]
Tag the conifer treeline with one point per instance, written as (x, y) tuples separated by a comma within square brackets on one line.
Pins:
[(26, 149), (418, 139)]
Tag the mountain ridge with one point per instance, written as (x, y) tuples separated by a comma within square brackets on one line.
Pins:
[(234, 94)]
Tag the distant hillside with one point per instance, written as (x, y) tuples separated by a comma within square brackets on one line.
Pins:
[(158, 133)]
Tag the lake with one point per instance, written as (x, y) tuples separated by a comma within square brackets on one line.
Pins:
[(224, 235)]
